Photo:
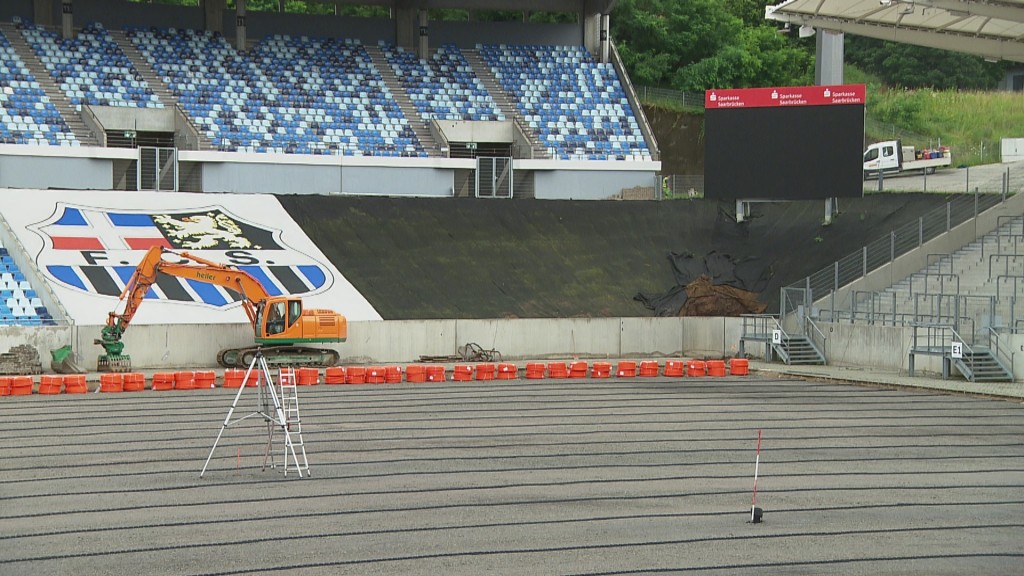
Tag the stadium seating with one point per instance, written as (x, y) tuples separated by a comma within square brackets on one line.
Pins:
[(576, 105), (90, 68), (19, 304), (340, 98), (26, 114), (444, 87), (293, 95)]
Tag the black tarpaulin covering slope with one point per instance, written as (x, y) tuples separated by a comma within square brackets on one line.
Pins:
[(749, 274)]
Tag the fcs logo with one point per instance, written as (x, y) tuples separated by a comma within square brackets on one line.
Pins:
[(203, 231), (95, 250)]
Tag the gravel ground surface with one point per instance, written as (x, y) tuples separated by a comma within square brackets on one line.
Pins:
[(521, 477)]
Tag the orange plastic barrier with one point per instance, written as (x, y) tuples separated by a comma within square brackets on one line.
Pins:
[(184, 380), (134, 381), (716, 367), (578, 369), (435, 373), (21, 385), (696, 368), (626, 369), (204, 379), (50, 384), (307, 376), (558, 370), (739, 367), (534, 370), (334, 375), (355, 375), (416, 373), (5, 385), (674, 368), (392, 374), (112, 382), (374, 374), (254, 378), (601, 370), (485, 371), (163, 381), (233, 377), (75, 384), (649, 368), (507, 371), (462, 373)]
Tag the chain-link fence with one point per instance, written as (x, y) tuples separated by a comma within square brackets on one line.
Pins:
[(668, 96)]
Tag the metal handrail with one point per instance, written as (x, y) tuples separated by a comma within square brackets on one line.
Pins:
[(942, 284), (940, 259), (815, 329), (645, 125), (1006, 258), (897, 243), (1017, 282), (994, 344)]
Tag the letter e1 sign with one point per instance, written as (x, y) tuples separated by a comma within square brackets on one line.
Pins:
[(956, 350)]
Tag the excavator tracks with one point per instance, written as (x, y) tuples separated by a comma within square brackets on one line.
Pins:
[(279, 356)]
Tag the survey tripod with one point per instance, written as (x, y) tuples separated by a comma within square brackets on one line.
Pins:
[(269, 407)]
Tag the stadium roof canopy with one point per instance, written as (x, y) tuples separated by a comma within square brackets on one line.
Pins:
[(992, 29)]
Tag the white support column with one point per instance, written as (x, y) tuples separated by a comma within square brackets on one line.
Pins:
[(241, 41), (67, 20), (423, 43), (605, 37), (828, 63)]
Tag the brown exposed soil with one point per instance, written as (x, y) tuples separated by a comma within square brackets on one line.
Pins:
[(680, 138)]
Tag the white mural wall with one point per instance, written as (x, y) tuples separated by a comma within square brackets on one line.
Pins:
[(87, 245)]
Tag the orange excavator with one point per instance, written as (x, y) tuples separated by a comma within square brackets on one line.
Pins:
[(280, 323)]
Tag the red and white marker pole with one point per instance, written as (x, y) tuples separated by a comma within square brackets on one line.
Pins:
[(754, 517)]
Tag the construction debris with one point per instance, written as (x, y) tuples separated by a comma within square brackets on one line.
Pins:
[(21, 360), (471, 352)]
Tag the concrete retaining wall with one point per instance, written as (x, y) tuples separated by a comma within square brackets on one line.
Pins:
[(403, 341)]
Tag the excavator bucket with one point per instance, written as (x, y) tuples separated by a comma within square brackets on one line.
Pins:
[(114, 363), (114, 360), (63, 361)]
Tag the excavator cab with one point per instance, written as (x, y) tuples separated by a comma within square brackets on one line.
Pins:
[(278, 318)]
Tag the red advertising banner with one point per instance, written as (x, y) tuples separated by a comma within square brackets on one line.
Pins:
[(785, 96)]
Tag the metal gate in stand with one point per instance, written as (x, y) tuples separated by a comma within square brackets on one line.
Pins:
[(494, 177), (158, 169)]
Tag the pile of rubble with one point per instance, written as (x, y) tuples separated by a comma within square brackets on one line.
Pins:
[(20, 360)]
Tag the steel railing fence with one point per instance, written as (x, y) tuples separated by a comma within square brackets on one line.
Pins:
[(896, 243)]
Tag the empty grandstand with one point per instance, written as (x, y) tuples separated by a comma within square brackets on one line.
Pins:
[(355, 101)]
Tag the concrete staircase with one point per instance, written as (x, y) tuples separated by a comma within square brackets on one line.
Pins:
[(60, 100), (980, 365), (978, 273), (156, 83), (503, 100), (798, 350), (419, 127)]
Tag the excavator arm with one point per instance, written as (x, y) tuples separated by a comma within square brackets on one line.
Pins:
[(185, 266), (200, 270)]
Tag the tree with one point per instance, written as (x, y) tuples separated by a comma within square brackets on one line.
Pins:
[(918, 67), (657, 37)]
